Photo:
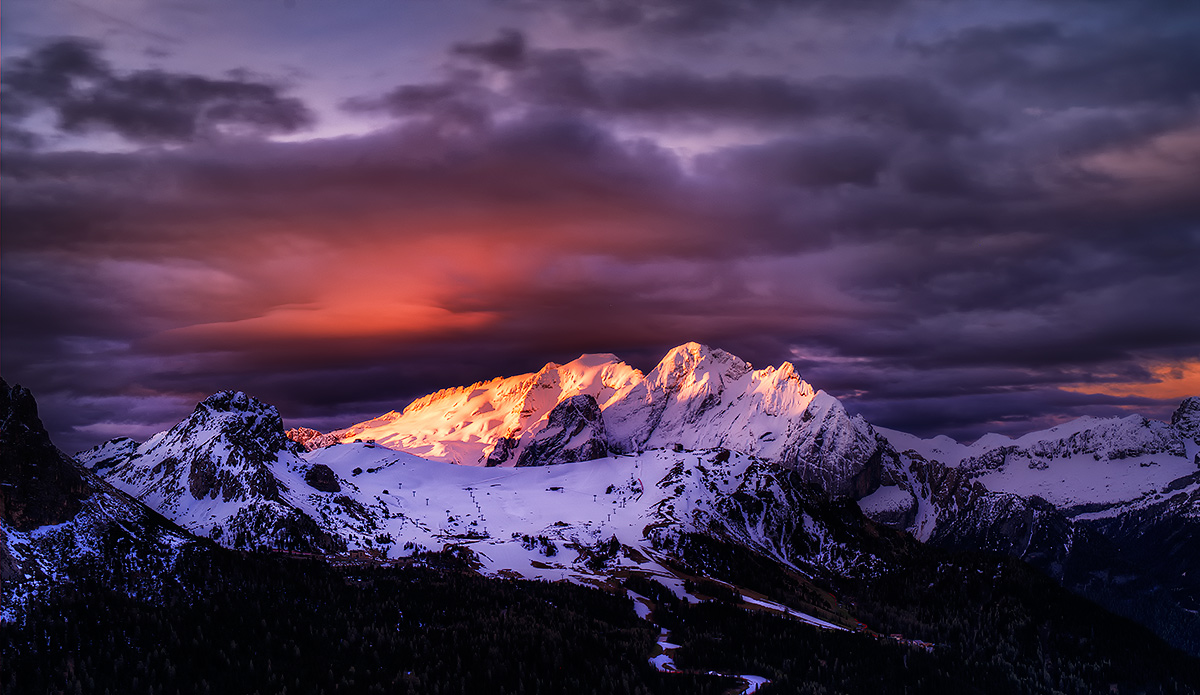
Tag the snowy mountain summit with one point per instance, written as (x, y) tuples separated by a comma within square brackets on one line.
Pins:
[(220, 451), (227, 471), (696, 397)]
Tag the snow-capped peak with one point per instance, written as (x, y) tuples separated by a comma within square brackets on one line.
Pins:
[(245, 420), (227, 471), (219, 451), (696, 397), (466, 424)]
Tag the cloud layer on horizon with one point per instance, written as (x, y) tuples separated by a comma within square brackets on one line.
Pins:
[(989, 225)]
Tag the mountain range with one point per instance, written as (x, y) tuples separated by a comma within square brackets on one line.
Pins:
[(592, 470)]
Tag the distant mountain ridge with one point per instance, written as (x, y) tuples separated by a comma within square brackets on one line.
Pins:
[(592, 452), (696, 397), (1110, 507)]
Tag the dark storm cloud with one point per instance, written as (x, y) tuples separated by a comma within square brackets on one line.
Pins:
[(1053, 65), (944, 240), (806, 163), (509, 50), (697, 17), (569, 78), (85, 93)]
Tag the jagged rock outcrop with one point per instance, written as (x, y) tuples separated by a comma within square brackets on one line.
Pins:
[(501, 451), (1186, 418), (321, 477), (39, 485), (59, 521), (574, 432), (307, 437), (217, 473)]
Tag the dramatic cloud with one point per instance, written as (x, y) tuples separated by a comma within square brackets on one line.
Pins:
[(691, 17), (69, 78), (963, 221)]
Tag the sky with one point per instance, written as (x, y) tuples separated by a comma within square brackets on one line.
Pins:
[(958, 217)]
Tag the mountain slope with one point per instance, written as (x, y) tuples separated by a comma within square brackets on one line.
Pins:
[(227, 472), (696, 397), (1109, 507), (58, 521)]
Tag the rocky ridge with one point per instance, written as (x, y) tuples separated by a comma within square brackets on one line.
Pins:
[(1109, 507), (227, 472), (59, 521), (696, 397)]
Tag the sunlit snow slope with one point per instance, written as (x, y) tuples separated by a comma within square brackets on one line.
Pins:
[(586, 518), (696, 397)]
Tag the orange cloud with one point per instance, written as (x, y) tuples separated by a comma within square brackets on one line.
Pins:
[(362, 288), (1170, 380), (338, 321)]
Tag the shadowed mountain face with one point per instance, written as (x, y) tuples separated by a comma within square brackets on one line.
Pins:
[(60, 523), (228, 472), (574, 432), (1108, 507), (1186, 419), (39, 485)]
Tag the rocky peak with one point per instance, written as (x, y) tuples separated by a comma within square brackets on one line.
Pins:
[(1186, 418), (39, 485), (693, 363), (221, 450), (307, 437), (574, 432), (842, 454), (245, 422)]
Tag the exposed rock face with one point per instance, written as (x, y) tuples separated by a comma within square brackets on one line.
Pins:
[(215, 473), (574, 432), (765, 507), (840, 454), (1186, 418), (321, 477), (39, 485), (306, 437), (697, 397), (219, 452), (58, 521), (501, 451)]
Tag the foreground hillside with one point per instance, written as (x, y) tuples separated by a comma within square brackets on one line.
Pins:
[(271, 624), (354, 568), (743, 578), (590, 469)]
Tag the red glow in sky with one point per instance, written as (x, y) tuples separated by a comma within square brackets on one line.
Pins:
[(949, 217)]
